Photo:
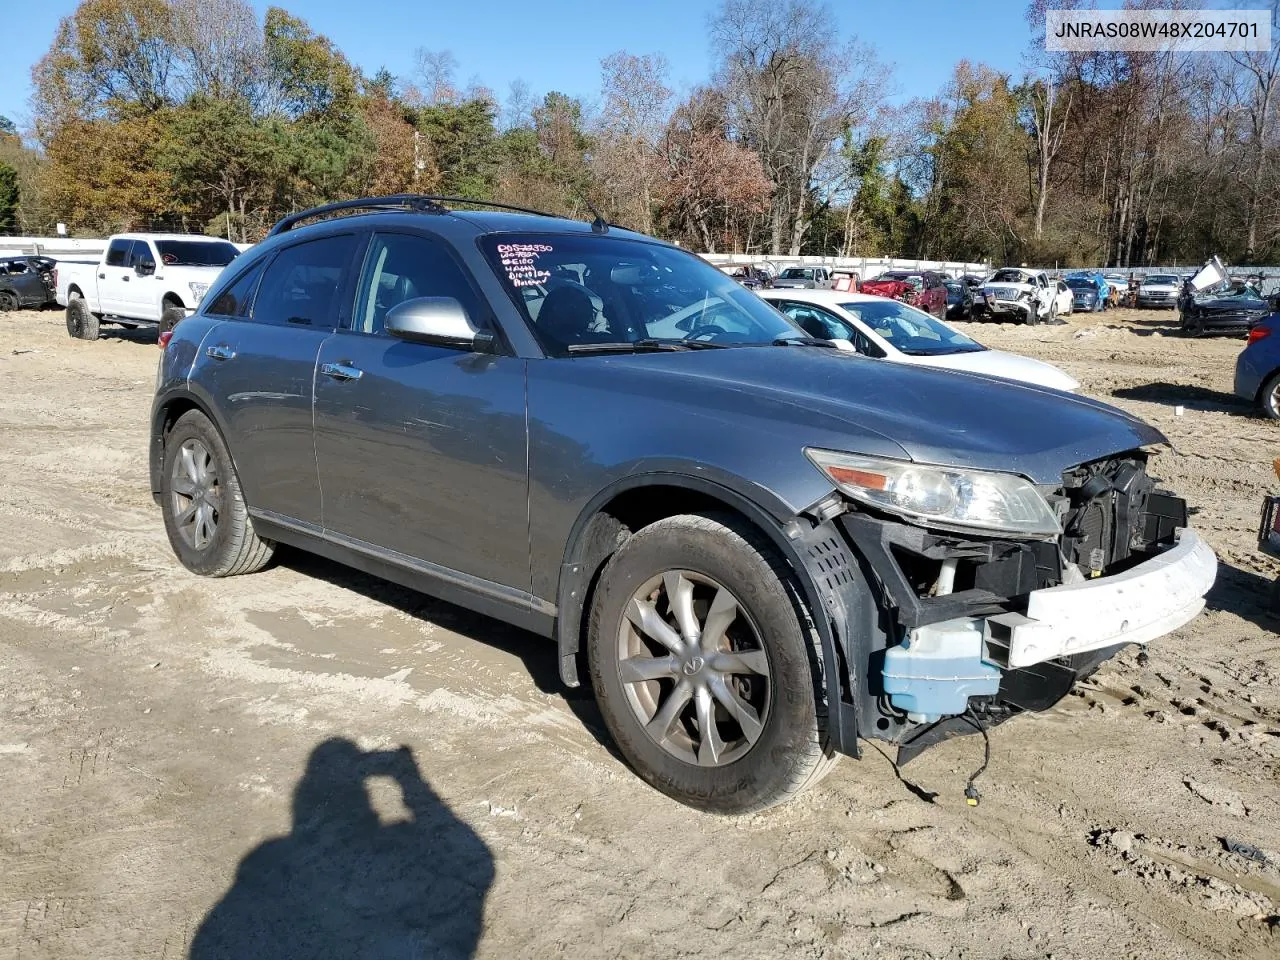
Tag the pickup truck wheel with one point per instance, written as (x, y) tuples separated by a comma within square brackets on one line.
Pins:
[(705, 665), (81, 322), (171, 317), (204, 511)]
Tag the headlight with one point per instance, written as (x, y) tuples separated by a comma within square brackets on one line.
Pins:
[(198, 290), (945, 496)]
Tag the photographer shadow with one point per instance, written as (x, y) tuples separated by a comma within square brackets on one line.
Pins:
[(345, 884)]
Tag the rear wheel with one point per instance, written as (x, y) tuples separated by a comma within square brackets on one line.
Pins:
[(8, 301), (82, 324), (205, 515), (171, 317), (1269, 396), (705, 665)]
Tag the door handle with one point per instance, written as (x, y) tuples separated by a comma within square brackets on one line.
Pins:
[(102, 276), (341, 371), (125, 278), (220, 352)]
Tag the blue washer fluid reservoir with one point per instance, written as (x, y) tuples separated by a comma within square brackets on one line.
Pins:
[(935, 671)]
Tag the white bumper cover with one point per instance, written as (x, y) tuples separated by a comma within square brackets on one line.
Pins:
[(1136, 606)]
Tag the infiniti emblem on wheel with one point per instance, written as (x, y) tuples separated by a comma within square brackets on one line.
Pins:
[(692, 666)]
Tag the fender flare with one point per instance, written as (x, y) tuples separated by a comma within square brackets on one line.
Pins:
[(795, 536)]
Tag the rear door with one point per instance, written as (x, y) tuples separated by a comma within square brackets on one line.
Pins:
[(422, 449), (114, 276), (258, 366)]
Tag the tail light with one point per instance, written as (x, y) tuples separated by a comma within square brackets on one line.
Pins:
[(1259, 333), (163, 340)]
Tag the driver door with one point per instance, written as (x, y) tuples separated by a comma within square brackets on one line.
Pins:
[(422, 449)]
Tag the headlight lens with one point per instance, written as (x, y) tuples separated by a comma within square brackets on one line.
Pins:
[(945, 496), (198, 290)]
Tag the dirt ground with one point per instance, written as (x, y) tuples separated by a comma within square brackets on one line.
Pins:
[(213, 768)]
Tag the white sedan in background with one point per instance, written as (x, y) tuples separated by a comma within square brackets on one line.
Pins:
[(891, 330)]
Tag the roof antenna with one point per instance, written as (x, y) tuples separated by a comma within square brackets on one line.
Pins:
[(599, 224)]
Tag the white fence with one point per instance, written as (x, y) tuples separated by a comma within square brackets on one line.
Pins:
[(864, 267), (62, 248)]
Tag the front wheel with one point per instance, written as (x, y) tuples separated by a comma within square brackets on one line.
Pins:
[(1192, 326), (205, 514), (706, 667)]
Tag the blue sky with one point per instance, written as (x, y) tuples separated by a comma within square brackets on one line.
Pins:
[(558, 44)]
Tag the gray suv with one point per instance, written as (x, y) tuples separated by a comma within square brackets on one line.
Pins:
[(761, 548)]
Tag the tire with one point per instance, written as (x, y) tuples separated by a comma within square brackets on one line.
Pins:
[(1033, 316), (171, 317), (720, 557), (199, 481), (82, 324), (8, 301), (1192, 326), (1269, 396)]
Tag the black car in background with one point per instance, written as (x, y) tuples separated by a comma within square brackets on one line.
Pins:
[(960, 298), (26, 282), (1234, 309)]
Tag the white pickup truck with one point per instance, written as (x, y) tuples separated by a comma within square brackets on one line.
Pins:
[(142, 278)]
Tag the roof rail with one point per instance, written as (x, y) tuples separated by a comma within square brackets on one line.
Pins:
[(411, 202)]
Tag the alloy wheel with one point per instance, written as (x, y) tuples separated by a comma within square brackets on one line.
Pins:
[(694, 668), (196, 494)]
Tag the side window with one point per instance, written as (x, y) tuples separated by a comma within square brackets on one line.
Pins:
[(815, 322), (234, 300), (17, 267), (118, 252), (402, 267), (141, 253), (302, 283), (862, 343)]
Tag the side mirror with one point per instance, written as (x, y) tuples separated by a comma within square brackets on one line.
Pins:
[(144, 268), (437, 320)]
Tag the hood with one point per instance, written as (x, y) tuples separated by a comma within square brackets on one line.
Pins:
[(793, 283), (1002, 285), (1010, 366), (819, 397), (888, 288)]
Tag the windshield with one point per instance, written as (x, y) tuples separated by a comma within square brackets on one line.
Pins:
[(1079, 283), (1009, 276), (911, 331), (796, 273), (196, 253), (1163, 279), (578, 290)]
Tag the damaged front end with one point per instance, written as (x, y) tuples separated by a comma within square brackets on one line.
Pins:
[(977, 628)]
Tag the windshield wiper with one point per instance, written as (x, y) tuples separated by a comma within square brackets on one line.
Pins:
[(646, 345), (803, 342)]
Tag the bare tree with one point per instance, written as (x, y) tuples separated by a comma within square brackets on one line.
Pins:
[(792, 94), (632, 119), (434, 75), (219, 48)]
